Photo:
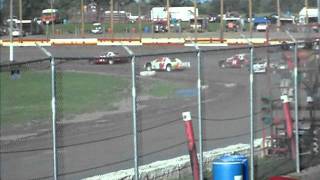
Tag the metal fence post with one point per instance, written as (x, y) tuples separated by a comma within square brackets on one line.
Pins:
[(53, 105), (251, 115), (251, 109), (296, 113), (53, 110), (134, 114), (199, 111)]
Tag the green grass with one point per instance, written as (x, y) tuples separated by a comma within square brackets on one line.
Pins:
[(118, 27), (124, 27), (163, 89), (29, 98)]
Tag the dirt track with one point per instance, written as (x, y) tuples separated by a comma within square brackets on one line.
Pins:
[(97, 143)]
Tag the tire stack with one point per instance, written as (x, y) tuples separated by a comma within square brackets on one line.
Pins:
[(316, 141)]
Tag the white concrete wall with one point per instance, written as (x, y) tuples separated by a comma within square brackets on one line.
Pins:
[(177, 167)]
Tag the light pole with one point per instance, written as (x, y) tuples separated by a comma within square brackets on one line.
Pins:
[(221, 20)]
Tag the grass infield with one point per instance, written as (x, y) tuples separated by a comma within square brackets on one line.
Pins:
[(29, 97)]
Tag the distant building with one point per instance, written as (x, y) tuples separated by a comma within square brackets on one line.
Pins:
[(117, 15), (178, 13), (50, 15), (311, 13)]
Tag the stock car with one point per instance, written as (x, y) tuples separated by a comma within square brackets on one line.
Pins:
[(235, 61), (96, 28), (109, 57), (260, 67), (166, 64)]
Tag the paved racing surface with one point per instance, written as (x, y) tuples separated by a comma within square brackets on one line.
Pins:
[(92, 144)]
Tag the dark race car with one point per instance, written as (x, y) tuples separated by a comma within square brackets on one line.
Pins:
[(236, 61), (109, 58)]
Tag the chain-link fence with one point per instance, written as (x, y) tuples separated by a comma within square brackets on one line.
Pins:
[(108, 117)]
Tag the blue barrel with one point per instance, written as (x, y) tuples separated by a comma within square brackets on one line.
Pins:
[(238, 158), (227, 170)]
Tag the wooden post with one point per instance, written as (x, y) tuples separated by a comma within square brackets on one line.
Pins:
[(221, 21), (20, 16), (52, 23), (250, 17), (82, 18), (195, 20), (279, 15), (111, 16), (168, 15), (307, 6)]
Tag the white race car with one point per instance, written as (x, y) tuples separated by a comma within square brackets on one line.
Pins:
[(96, 28), (260, 67), (166, 64)]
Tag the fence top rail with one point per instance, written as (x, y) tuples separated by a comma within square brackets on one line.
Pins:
[(4, 65)]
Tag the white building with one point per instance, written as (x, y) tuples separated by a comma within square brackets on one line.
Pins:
[(178, 13)]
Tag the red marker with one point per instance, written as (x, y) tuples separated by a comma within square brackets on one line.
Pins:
[(191, 144), (287, 115)]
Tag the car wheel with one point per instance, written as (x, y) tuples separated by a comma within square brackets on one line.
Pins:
[(111, 62), (148, 67), (168, 68)]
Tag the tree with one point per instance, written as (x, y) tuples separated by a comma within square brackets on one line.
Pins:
[(173, 3), (32, 8)]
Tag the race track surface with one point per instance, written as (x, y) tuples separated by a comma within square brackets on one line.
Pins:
[(101, 142)]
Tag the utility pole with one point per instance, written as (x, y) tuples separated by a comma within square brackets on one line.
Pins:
[(10, 32), (221, 20), (52, 25), (111, 16), (82, 18), (139, 15), (168, 15), (318, 5), (250, 17), (279, 14), (20, 16), (195, 18)]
